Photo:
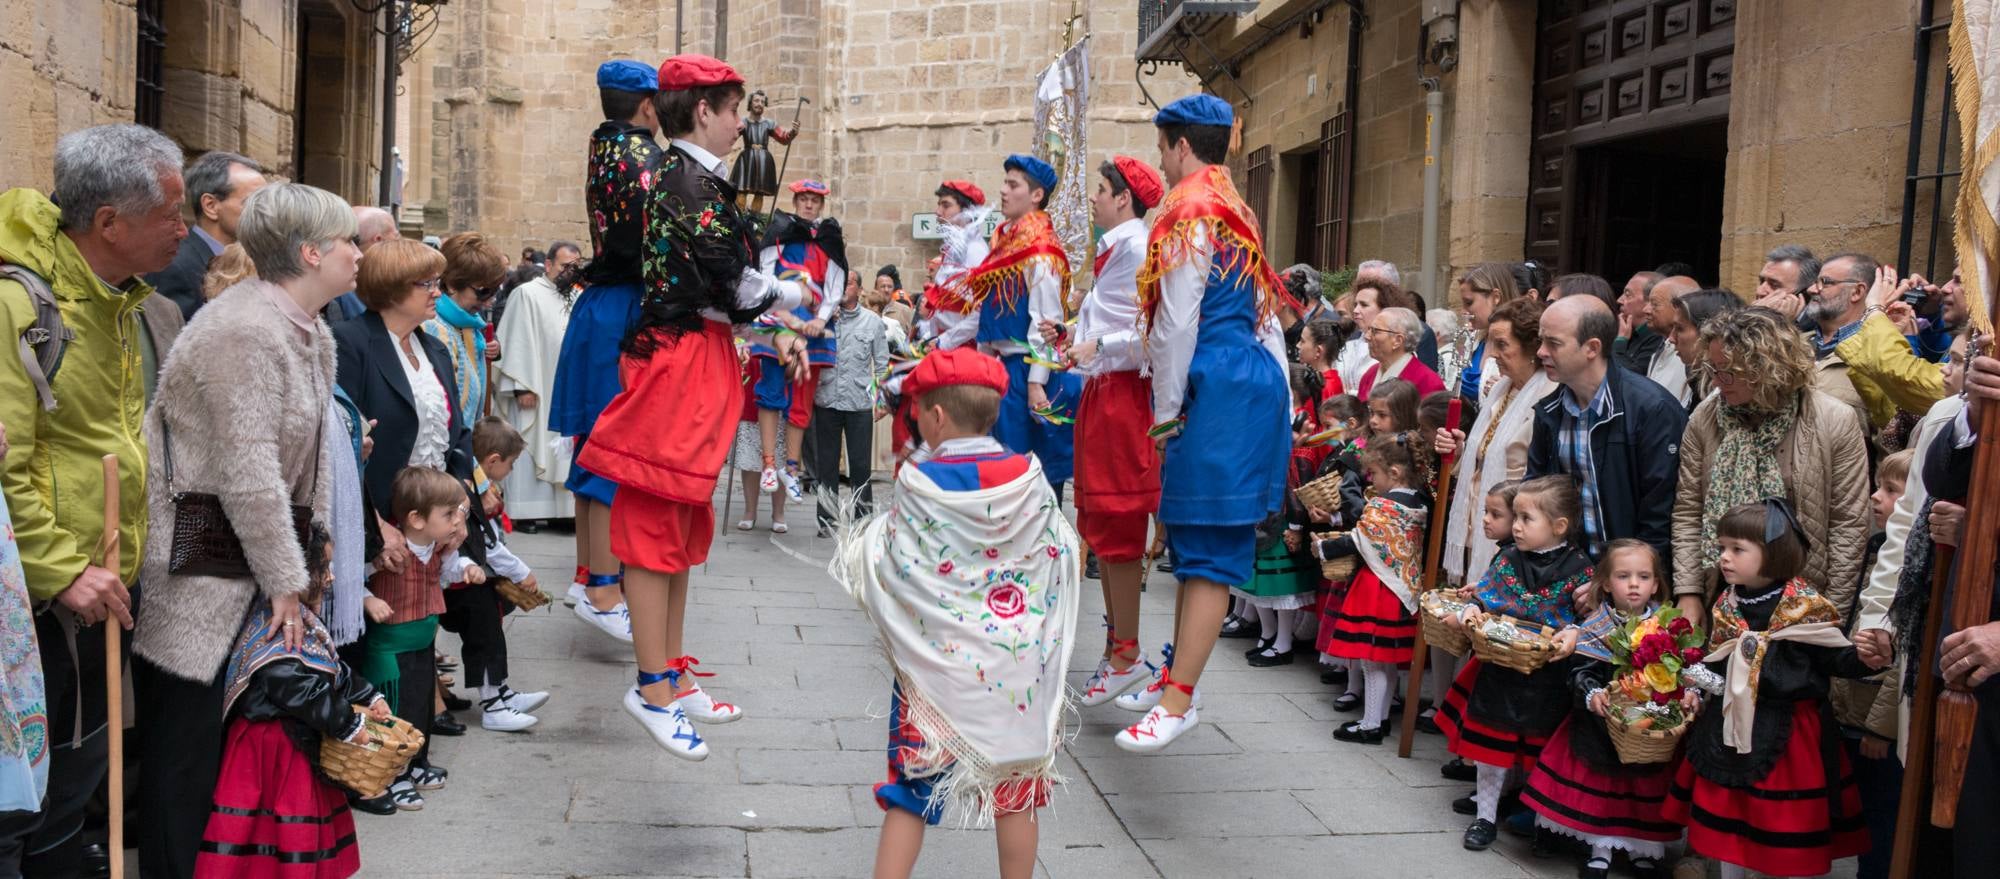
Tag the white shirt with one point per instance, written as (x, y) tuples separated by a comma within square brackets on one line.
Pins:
[(1045, 302), (1353, 361), (754, 285), (433, 411), (1669, 372), (964, 249), (1171, 340), (1110, 314)]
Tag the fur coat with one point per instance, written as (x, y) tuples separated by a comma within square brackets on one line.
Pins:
[(242, 398)]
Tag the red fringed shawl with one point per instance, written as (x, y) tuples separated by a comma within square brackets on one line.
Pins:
[(1207, 199), (1016, 247)]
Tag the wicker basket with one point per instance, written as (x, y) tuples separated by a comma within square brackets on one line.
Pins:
[(1525, 653), (368, 769), (1336, 570), (520, 596), (1637, 745), (1322, 493), (1432, 607)]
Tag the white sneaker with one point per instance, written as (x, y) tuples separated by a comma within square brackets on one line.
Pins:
[(699, 705), (1108, 683), (576, 595), (1156, 730), (1144, 699), (793, 491), (768, 483), (501, 718), (614, 622), (525, 703), (669, 726)]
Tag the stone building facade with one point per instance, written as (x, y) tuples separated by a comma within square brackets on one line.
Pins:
[(295, 84), (903, 93), (1594, 135)]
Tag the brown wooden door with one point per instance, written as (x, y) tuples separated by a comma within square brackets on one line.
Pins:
[(1626, 72)]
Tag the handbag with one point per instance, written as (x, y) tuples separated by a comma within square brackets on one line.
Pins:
[(204, 543)]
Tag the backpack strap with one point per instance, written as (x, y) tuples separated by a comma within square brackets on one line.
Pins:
[(42, 343)]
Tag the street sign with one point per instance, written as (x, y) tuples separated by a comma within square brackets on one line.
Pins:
[(927, 226)]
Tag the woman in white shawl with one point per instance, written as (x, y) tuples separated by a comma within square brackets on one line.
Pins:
[(1513, 382)]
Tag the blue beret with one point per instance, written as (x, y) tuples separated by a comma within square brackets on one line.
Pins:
[(625, 75), (1036, 169), (1197, 110)]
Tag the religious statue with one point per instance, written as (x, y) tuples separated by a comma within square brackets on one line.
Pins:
[(755, 173)]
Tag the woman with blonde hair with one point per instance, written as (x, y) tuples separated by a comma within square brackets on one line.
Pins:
[(1767, 433), (474, 269), (230, 266), (1482, 288)]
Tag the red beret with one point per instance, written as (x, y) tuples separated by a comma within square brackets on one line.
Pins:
[(683, 72), (810, 187), (958, 366), (967, 189), (1145, 183)]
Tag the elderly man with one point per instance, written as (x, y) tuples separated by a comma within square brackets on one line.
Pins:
[(1664, 367), (1863, 357), (1383, 270), (120, 190), (1612, 429), (1636, 343), (217, 184), (531, 337), (1392, 340)]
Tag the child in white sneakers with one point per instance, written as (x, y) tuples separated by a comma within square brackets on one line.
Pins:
[(972, 576), (474, 610)]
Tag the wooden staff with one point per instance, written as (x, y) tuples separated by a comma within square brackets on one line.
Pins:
[(1917, 762), (114, 677), (1971, 604), (797, 111), (1438, 522)]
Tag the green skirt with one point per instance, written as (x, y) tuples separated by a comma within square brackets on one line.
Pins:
[(1283, 581), (380, 646)]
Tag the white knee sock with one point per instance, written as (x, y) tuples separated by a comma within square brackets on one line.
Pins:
[(1444, 668), (1375, 702), (1286, 620), (1486, 795), (1600, 855), (489, 691), (1267, 623)]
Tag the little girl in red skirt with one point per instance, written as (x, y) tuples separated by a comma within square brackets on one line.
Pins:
[(1765, 784), (1496, 717), (1580, 788), (275, 815)]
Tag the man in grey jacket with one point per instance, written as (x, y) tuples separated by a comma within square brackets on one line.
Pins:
[(844, 406)]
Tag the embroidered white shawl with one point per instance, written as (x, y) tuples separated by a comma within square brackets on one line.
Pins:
[(975, 594), (1510, 442)]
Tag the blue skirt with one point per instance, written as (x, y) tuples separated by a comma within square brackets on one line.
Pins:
[(1227, 465), (587, 369)]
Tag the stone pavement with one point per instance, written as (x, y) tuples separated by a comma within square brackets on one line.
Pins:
[(1259, 789)]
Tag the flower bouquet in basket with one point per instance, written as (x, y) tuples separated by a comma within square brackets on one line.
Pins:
[(1654, 660)]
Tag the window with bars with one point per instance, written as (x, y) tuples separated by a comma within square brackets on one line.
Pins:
[(1257, 175), (1330, 229), (150, 77)]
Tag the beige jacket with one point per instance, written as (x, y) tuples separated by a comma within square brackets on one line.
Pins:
[(244, 397), (1825, 465)]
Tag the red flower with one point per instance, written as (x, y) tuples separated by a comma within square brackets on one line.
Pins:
[(1662, 698), (1691, 655), (1658, 642), (944, 567), (1644, 655), (993, 552), (706, 219), (1054, 552), (1006, 600), (1680, 626)]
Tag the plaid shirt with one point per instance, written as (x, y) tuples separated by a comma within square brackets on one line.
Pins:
[(1573, 455)]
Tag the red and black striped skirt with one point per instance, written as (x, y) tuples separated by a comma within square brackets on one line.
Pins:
[(1785, 825), (1468, 736), (1568, 791), (273, 818), (1371, 625)]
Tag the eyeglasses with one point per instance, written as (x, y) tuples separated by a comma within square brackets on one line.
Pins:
[(1374, 331), (1826, 283), (485, 293), (1723, 376), (431, 284)]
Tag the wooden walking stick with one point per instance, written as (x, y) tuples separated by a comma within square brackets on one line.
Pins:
[(1438, 522), (114, 677), (1923, 719), (787, 159)]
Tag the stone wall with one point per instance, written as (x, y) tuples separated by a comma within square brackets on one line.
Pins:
[(64, 65), (904, 93)]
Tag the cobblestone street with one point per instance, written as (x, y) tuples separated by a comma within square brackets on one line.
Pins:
[(1260, 789)]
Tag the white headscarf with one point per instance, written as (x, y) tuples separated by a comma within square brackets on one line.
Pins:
[(1515, 427)]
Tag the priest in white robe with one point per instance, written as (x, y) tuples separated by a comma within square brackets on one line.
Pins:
[(531, 335)]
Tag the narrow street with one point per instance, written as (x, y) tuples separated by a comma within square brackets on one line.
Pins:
[(1260, 789)]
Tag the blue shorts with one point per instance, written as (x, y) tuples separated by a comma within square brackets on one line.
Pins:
[(585, 484), (773, 389), (1225, 554)]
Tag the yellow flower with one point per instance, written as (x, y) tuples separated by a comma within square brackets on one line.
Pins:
[(1660, 679)]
